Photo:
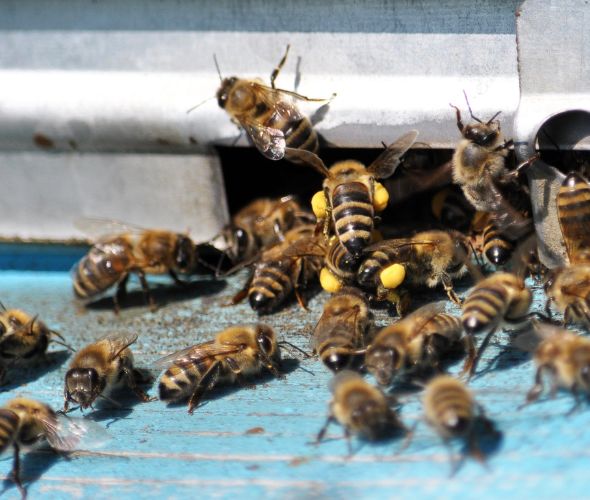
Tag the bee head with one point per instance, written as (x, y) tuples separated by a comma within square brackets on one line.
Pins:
[(184, 254), (83, 385), (267, 343), (483, 134), (382, 362), (337, 360), (224, 90)]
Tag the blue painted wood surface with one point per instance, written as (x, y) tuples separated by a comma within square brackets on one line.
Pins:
[(255, 443)]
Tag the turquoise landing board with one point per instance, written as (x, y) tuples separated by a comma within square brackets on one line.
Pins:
[(256, 443)]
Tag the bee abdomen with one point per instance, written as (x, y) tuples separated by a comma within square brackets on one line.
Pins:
[(94, 275), (444, 322), (371, 267), (8, 428), (179, 382), (301, 135), (452, 408), (353, 216), (484, 308), (496, 248), (269, 287)]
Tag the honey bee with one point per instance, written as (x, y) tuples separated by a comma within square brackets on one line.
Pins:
[(496, 247), (276, 275), (479, 168), (260, 224), (26, 423), (564, 356), (573, 212), (351, 195), (452, 411), (451, 209), (569, 289), (235, 353), (269, 115), (419, 340), (99, 368), (499, 299), (23, 337), (130, 249), (428, 258), (361, 409), (339, 266), (340, 334)]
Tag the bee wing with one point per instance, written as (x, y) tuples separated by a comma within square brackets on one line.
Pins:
[(305, 247), (538, 331), (302, 156), (575, 232), (428, 311), (509, 221), (396, 243), (67, 434), (269, 141), (333, 322), (98, 228), (204, 350), (386, 163), (118, 341)]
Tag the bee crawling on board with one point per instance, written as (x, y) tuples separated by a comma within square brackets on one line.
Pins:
[(26, 424), (340, 335), (101, 367), (419, 341), (561, 354), (123, 249), (269, 115), (427, 258), (451, 409), (23, 338), (235, 354), (362, 409), (351, 195)]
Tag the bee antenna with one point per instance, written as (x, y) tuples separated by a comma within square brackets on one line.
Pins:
[(190, 110), (217, 67), (284, 342), (477, 257), (469, 107), (117, 404), (493, 118)]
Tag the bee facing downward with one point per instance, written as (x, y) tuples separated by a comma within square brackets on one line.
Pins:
[(351, 195), (99, 368), (22, 337), (26, 423), (269, 115), (235, 353)]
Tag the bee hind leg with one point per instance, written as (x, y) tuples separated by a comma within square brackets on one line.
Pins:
[(177, 280), (448, 286), (120, 294), (206, 383), (146, 291), (130, 376), (277, 70), (15, 473)]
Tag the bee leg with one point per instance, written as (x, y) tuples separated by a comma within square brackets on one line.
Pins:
[(206, 383), (121, 293), (132, 384), (177, 280), (348, 442), (537, 388), (470, 349), (479, 353), (146, 291), (320, 437), (277, 70), (242, 294), (504, 145), (577, 400), (15, 474), (448, 286), (460, 125)]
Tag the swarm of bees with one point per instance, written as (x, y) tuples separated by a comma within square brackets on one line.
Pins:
[(289, 247)]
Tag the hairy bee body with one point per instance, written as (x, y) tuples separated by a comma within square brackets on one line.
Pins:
[(449, 407), (419, 340), (573, 210), (342, 328), (99, 368), (496, 247), (500, 298), (276, 276), (240, 351), (340, 262), (569, 290), (361, 408), (22, 336), (113, 258)]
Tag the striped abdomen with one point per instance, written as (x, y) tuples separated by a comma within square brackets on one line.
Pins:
[(98, 270), (299, 134), (9, 423), (181, 379), (449, 406), (443, 324), (352, 212), (335, 346), (340, 262), (573, 209), (271, 284), (379, 259), (496, 248)]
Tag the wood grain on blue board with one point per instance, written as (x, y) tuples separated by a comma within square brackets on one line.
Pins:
[(255, 443)]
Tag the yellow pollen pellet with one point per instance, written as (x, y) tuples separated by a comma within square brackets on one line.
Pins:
[(381, 197), (392, 276), (319, 204), (329, 282)]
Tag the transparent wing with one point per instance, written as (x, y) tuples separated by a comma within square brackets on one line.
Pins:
[(67, 434), (204, 350), (304, 157), (306, 247), (98, 228), (395, 244), (118, 341), (386, 163)]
